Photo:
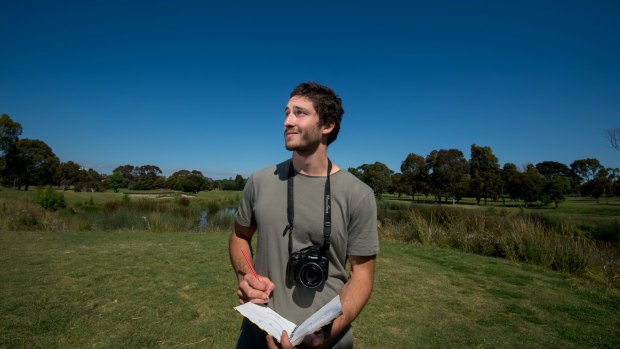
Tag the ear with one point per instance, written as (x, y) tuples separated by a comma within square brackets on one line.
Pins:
[(328, 127)]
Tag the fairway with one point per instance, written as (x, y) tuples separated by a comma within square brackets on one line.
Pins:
[(177, 290)]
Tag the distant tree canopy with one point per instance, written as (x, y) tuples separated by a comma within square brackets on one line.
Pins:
[(230, 184), (9, 133), (550, 169), (485, 173), (444, 173), (30, 162), (414, 173), (377, 176), (187, 181), (448, 168)]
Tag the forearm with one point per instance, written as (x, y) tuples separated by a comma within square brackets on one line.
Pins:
[(252, 288), (235, 245), (356, 292)]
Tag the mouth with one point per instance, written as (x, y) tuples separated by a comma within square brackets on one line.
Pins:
[(288, 133)]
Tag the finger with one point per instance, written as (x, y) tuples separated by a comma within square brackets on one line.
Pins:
[(248, 293), (255, 283), (285, 341), (271, 343), (314, 339), (270, 287)]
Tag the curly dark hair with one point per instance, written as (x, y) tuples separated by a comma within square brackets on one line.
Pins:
[(326, 103)]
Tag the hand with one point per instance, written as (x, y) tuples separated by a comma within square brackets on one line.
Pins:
[(285, 342), (255, 290), (315, 340)]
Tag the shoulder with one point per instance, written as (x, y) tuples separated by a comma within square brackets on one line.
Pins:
[(276, 172), (351, 184)]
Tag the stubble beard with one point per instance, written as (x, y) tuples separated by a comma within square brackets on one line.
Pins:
[(304, 146)]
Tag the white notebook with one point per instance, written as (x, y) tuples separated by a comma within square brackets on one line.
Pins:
[(273, 323)]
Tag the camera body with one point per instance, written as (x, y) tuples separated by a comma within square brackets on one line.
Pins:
[(308, 266)]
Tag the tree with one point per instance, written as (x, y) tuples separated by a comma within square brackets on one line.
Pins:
[(128, 172), (189, 182), (147, 178), (484, 172), (89, 180), (530, 185), (147, 170), (378, 176), (33, 162), (114, 181), (509, 177), (67, 174), (192, 183), (584, 170), (239, 182), (613, 135), (550, 169), (447, 167), (9, 133), (554, 189), (415, 172), (599, 186), (399, 185)]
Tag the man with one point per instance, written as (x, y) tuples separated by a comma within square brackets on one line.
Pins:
[(289, 220)]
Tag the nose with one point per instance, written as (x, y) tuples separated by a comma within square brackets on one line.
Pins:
[(289, 120)]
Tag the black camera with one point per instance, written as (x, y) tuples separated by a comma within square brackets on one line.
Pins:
[(308, 266)]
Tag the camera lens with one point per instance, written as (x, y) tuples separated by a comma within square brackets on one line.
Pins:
[(311, 275)]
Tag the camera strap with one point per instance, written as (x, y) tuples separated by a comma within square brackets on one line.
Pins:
[(327, 212)]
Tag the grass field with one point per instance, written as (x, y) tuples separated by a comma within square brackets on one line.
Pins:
[(574, 207), (177, 290)]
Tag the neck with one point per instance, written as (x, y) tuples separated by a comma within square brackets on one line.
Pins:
[(314, 164)]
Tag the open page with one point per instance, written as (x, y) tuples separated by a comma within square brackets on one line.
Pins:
[(324, 316), (273, 323), (267, 319)]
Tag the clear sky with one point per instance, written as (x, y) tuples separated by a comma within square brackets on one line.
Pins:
[(203, 84)]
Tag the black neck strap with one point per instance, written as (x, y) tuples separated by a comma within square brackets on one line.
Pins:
[(327, 212)]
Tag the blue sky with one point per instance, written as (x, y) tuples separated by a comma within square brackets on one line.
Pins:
[(203, 84)]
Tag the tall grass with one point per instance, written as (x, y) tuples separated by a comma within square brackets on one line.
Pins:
[(519, 237), (122, 215)]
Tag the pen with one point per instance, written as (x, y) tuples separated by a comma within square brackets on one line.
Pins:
[(247, 260)]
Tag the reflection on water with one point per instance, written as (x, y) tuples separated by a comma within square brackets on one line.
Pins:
[(203, 219), (218, 216)]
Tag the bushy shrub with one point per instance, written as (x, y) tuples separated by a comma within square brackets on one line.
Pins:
[(50, 199), (183, 201), (532, 239), (20, 215), (609, 232)]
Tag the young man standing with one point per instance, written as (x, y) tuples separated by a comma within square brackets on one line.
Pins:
[(303, 202)]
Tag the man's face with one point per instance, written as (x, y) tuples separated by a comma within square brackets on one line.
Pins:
[(302, 132)]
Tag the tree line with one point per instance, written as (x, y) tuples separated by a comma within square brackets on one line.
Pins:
[(25, 162), (445, 174)]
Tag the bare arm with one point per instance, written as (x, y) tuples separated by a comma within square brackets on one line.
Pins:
[(355, 292), (250, 288)]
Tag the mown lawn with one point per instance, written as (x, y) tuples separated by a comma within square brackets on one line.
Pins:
[(176, 290)]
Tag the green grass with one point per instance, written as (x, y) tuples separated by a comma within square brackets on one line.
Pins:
[(433, 298), (177, 290)]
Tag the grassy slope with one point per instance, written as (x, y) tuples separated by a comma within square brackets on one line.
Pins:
[(177, 290), (432, 298)]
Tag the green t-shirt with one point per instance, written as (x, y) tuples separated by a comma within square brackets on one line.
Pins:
[(353, 232)]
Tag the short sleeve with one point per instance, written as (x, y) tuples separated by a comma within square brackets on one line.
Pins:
[(245, 212), (363, 238)]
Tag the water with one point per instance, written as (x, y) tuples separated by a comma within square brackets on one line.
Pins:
[(204, 216)]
